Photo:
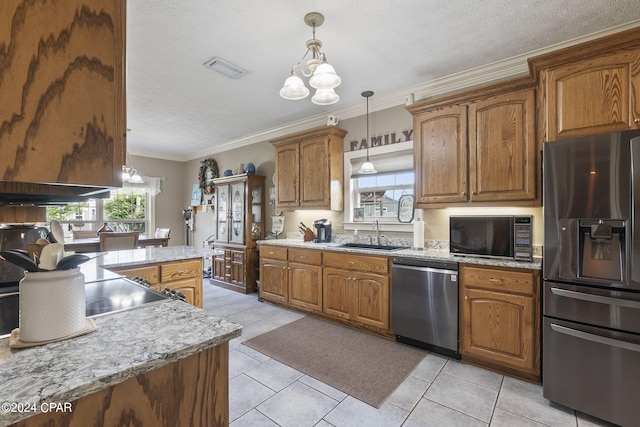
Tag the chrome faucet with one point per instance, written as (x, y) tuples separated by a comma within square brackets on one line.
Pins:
[(376, 226)]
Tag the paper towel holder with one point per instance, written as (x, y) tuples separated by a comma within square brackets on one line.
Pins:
[(405, 208)]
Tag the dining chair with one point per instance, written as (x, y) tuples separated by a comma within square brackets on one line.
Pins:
[(162, 232), (111, 241)]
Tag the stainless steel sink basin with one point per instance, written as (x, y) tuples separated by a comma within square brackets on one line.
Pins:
[(373, 247)]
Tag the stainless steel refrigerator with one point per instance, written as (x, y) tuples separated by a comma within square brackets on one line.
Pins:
[(591, 267)]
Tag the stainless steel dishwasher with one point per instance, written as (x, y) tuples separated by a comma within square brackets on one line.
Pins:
[(424, 304)]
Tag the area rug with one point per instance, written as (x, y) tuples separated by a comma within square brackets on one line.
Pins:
[(362, 365)]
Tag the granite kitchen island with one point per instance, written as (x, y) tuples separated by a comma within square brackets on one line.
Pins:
[(165, 364), (159, 364)]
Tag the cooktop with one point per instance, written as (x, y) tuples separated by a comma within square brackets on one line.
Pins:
[(102, 297)]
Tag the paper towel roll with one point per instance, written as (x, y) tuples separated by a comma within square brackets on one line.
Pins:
[(52, 305), (418, 234)]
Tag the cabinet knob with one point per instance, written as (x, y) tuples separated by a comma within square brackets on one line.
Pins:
[(636, 121), (466, 298)]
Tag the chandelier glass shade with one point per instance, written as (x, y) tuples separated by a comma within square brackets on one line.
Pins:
[(322, 76), (130, 175)]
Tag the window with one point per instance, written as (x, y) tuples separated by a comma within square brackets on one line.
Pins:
[(129, 208), (378, 194)]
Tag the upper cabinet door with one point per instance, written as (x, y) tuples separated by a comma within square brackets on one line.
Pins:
[(440, 155), (222, 213), (502, 147), (62, 87), (314, 173), (287, 175), (593, 96)]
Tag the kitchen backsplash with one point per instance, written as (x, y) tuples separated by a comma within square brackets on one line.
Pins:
[(434, 245)]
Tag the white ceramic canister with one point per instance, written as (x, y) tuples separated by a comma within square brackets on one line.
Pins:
[(52, 305)]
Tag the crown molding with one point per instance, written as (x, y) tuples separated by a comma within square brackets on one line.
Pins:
[(513, 67)]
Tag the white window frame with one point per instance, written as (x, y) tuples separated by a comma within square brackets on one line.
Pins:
[(354, 159)]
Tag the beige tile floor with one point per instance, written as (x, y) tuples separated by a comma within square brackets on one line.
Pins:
[(439, 392)]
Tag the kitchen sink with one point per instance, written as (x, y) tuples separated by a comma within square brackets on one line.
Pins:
[(372, 247)]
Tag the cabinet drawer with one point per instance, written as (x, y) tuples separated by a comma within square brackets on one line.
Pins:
[(148, 273), (181, 270), (273, 252), (503, 280), (368, 263), (305, 256)]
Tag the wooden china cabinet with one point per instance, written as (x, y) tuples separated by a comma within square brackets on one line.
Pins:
[(239, 223)]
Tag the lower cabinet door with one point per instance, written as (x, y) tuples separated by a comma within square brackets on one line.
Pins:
[(498, 327), (337, 293), (371, 300), (305, 286), (273, 280)]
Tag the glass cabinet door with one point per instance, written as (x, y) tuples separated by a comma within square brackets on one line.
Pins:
[(237, 213), (222, 218), (256, 211)]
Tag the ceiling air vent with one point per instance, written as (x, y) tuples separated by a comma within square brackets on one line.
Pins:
[(225, 67)]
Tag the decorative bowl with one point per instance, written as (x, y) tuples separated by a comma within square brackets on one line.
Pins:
[(227, 172)]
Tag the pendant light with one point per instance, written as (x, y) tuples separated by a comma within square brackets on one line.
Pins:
[(367, 167)]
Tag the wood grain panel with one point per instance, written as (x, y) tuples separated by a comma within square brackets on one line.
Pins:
[(305, 256), (273, 252), (273, 280), (314, 172), (366, 263), (440, 155), (180, 270), (62, 88), (337, 293), (499, 279), (591, 96), (502, 147), (190, 392), (371, 300), (288, 175), (305, 286)]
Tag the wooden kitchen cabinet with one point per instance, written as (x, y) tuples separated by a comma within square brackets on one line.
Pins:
[(63, 95), (182, 276), (309, 169), (500, 318), (305, 279), (592, 96), (356, 288), (479, 150), (274, 283), (292, 276), (239, 223)]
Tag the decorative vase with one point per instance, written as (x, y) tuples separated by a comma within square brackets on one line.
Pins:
[(250, 168), (240, 169), (105, 228), (52, 305)]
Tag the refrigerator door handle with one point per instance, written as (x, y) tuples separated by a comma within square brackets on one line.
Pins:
[(596, 298), (634, 257), (595, 338)]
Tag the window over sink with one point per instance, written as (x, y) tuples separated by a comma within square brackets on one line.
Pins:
[(377, 195)]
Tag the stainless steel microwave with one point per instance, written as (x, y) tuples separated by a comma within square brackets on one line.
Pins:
[(492, 236)]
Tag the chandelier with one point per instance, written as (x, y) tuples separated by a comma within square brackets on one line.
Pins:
[(321, 75), (130, 175)]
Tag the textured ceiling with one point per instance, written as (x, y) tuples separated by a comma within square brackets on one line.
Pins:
[(178, 109)]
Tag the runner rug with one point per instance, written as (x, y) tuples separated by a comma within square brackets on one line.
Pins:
[(362, 365)]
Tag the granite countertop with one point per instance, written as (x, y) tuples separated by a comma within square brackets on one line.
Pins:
[(95, 269), (427, 254), (124, 345)]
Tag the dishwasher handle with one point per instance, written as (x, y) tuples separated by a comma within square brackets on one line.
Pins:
[(425, 269)]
